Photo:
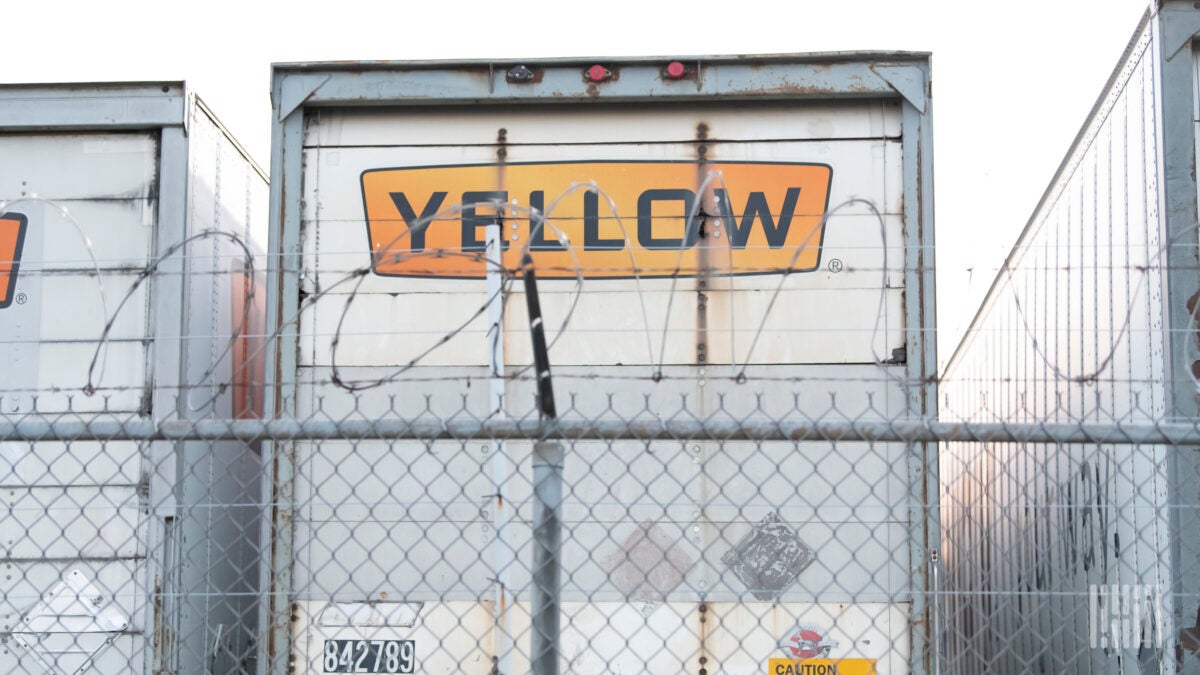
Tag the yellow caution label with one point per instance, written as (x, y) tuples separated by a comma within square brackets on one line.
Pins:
[(822, 667)]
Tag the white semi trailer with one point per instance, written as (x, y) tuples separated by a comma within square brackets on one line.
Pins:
[(1086, 557), (743, 238), (130, 226)]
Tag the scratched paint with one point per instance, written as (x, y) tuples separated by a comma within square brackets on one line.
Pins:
[(769, 558)]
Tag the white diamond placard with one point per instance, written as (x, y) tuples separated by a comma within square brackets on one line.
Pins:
[(70, 626)]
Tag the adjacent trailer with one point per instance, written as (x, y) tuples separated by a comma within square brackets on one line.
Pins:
[(131, 226), (1086, 558), (745, 239)]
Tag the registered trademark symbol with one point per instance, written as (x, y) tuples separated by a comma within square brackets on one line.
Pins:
[(22, 298), (835, 265)]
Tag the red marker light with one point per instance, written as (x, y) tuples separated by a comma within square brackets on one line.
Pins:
[(675, 70), (597, 73)]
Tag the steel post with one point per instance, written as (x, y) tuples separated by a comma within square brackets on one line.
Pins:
[(502, 550), (547, 545)]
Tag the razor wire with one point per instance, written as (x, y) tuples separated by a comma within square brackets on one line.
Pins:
[(774, 519)]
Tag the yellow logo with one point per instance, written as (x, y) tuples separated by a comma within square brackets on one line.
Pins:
[(12, 239), (661, 219)]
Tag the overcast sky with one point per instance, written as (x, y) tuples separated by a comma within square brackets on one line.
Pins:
[(1013, 80)]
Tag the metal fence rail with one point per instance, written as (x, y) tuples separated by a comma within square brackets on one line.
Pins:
[(429, 429)]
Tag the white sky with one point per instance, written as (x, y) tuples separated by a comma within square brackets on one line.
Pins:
[(1013, 80)]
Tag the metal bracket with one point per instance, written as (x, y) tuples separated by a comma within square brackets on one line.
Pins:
[(1179, 27), (908, 81), (295, 90)]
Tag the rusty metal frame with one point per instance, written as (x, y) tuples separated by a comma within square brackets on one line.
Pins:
[(169, 318), (109, 107), (1177, 30), (924, 519), (279, 459)]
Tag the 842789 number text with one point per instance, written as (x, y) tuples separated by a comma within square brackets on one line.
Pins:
[(369, 656)]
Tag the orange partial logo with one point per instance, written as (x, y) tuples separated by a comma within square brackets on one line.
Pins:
[(12, 239), (746, 218)]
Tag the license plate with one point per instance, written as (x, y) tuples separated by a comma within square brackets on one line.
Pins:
[(370, 656)]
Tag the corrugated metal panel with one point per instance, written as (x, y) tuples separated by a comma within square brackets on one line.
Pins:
[(1075, 329), (219, 522)]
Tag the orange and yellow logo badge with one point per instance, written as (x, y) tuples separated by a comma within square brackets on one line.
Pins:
[(12, 239), (661, 219)]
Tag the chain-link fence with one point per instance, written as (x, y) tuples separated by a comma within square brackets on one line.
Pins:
[(728, 543), (687, 543)]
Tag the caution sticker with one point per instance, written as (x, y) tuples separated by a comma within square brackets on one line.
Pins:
[(822, 667)]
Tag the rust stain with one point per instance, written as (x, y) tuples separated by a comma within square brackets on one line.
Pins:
[(482, 71), (1191, 308), (856, 86), (163, 636), (280, 518), (704, 262), (501, 159), (780, 621), (924, 311), (1189, 640), (758, 63)]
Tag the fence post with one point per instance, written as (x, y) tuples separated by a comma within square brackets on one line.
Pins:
[(502, 555), (547, 543), (547, 492)]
